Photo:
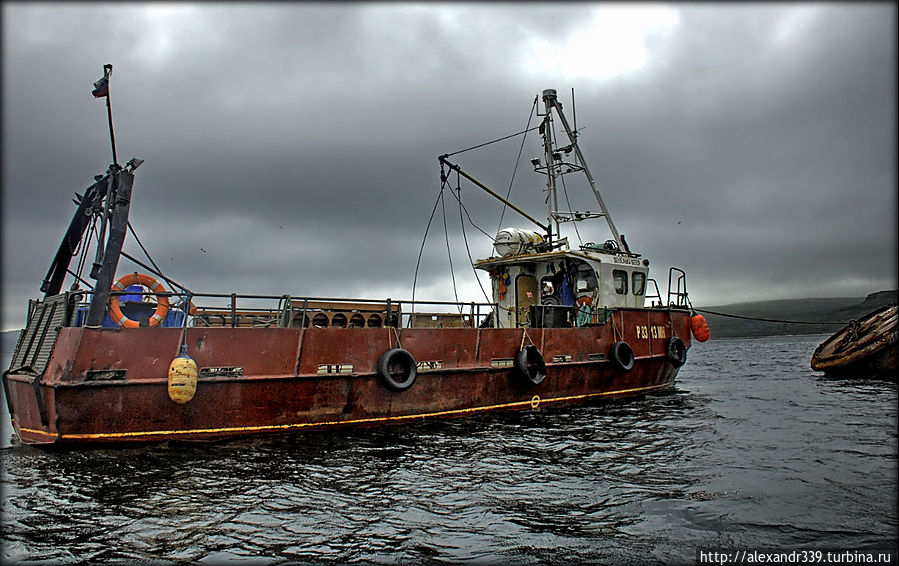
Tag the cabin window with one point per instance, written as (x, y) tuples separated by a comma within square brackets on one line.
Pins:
[(586, 279), (639, 282), (620, 278)]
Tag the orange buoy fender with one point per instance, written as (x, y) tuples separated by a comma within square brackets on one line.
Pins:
[(700, 327), (182, 382), (162, 302)]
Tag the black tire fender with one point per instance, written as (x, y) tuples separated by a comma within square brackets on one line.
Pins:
[(530, 364), (397, 369), (676, 351), (622, 356)]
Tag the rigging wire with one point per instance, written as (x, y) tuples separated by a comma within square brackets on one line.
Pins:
[(448, 252), (82, 250), (490, 142), (565, 190), (766, 319), (146, 253), (467, 214), (156, 270), (424, 239), (554, 140), (465, 236), (527, 128)]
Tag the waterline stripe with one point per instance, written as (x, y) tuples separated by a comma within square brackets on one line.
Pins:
[(454, 412)]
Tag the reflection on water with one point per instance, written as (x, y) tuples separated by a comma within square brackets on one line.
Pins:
[(751, 449)]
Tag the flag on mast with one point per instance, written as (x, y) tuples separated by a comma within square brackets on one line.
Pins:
[(101, 87)]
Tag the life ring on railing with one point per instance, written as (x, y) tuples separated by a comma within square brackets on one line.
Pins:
[(530, 364), (676, 351), (397, 369), (162, 302), (622, 356)]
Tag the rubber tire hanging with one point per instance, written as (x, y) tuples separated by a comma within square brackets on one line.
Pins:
[(676, 351), (529, 363), (397, 369), (622, 356)]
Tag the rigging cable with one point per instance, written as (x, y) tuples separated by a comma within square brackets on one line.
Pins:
[(467, 214), (573, 221), (767, 319), (527, 128), (554, 141), (146, 253), (465, 237), (424, 239), (82, 250), (156, 271), (490, 142), (448, 252)]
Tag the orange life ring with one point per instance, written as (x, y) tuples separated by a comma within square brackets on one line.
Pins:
[(585, 300), (162, 302)]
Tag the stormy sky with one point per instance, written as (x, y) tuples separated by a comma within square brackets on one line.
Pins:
[(292, 148)]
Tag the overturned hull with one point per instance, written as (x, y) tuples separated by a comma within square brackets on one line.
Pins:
[(868, 347), (110, 385)]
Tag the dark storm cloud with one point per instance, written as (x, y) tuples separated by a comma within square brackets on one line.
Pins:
[(297, 144)]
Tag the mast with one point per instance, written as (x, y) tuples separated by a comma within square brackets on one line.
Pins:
[(549, 99), (118, 223), (552, 201)]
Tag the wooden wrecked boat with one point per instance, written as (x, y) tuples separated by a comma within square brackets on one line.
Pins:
[(131, 360), (867, 347)]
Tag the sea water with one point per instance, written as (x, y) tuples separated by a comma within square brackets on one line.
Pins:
[(750, 449)]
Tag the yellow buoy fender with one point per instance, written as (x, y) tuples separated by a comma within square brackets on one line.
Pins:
[(182, 377)]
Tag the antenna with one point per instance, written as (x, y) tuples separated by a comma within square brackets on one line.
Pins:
[(573, 111)]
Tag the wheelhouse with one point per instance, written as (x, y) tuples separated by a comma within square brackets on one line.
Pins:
[(565, 287)]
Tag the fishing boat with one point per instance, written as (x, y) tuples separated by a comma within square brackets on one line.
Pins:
[(867, 347), (141, 358)]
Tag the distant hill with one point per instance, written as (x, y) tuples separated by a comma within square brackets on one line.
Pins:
[(836, 310)]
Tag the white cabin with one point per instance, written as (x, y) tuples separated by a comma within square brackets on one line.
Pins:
[(563, 284)]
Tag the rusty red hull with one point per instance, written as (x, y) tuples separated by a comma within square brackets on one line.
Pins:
[(109, 385)]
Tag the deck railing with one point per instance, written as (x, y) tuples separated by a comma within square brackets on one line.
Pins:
[(286, 311)]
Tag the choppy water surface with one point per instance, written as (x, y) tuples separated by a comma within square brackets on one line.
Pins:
[(751, 448)]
